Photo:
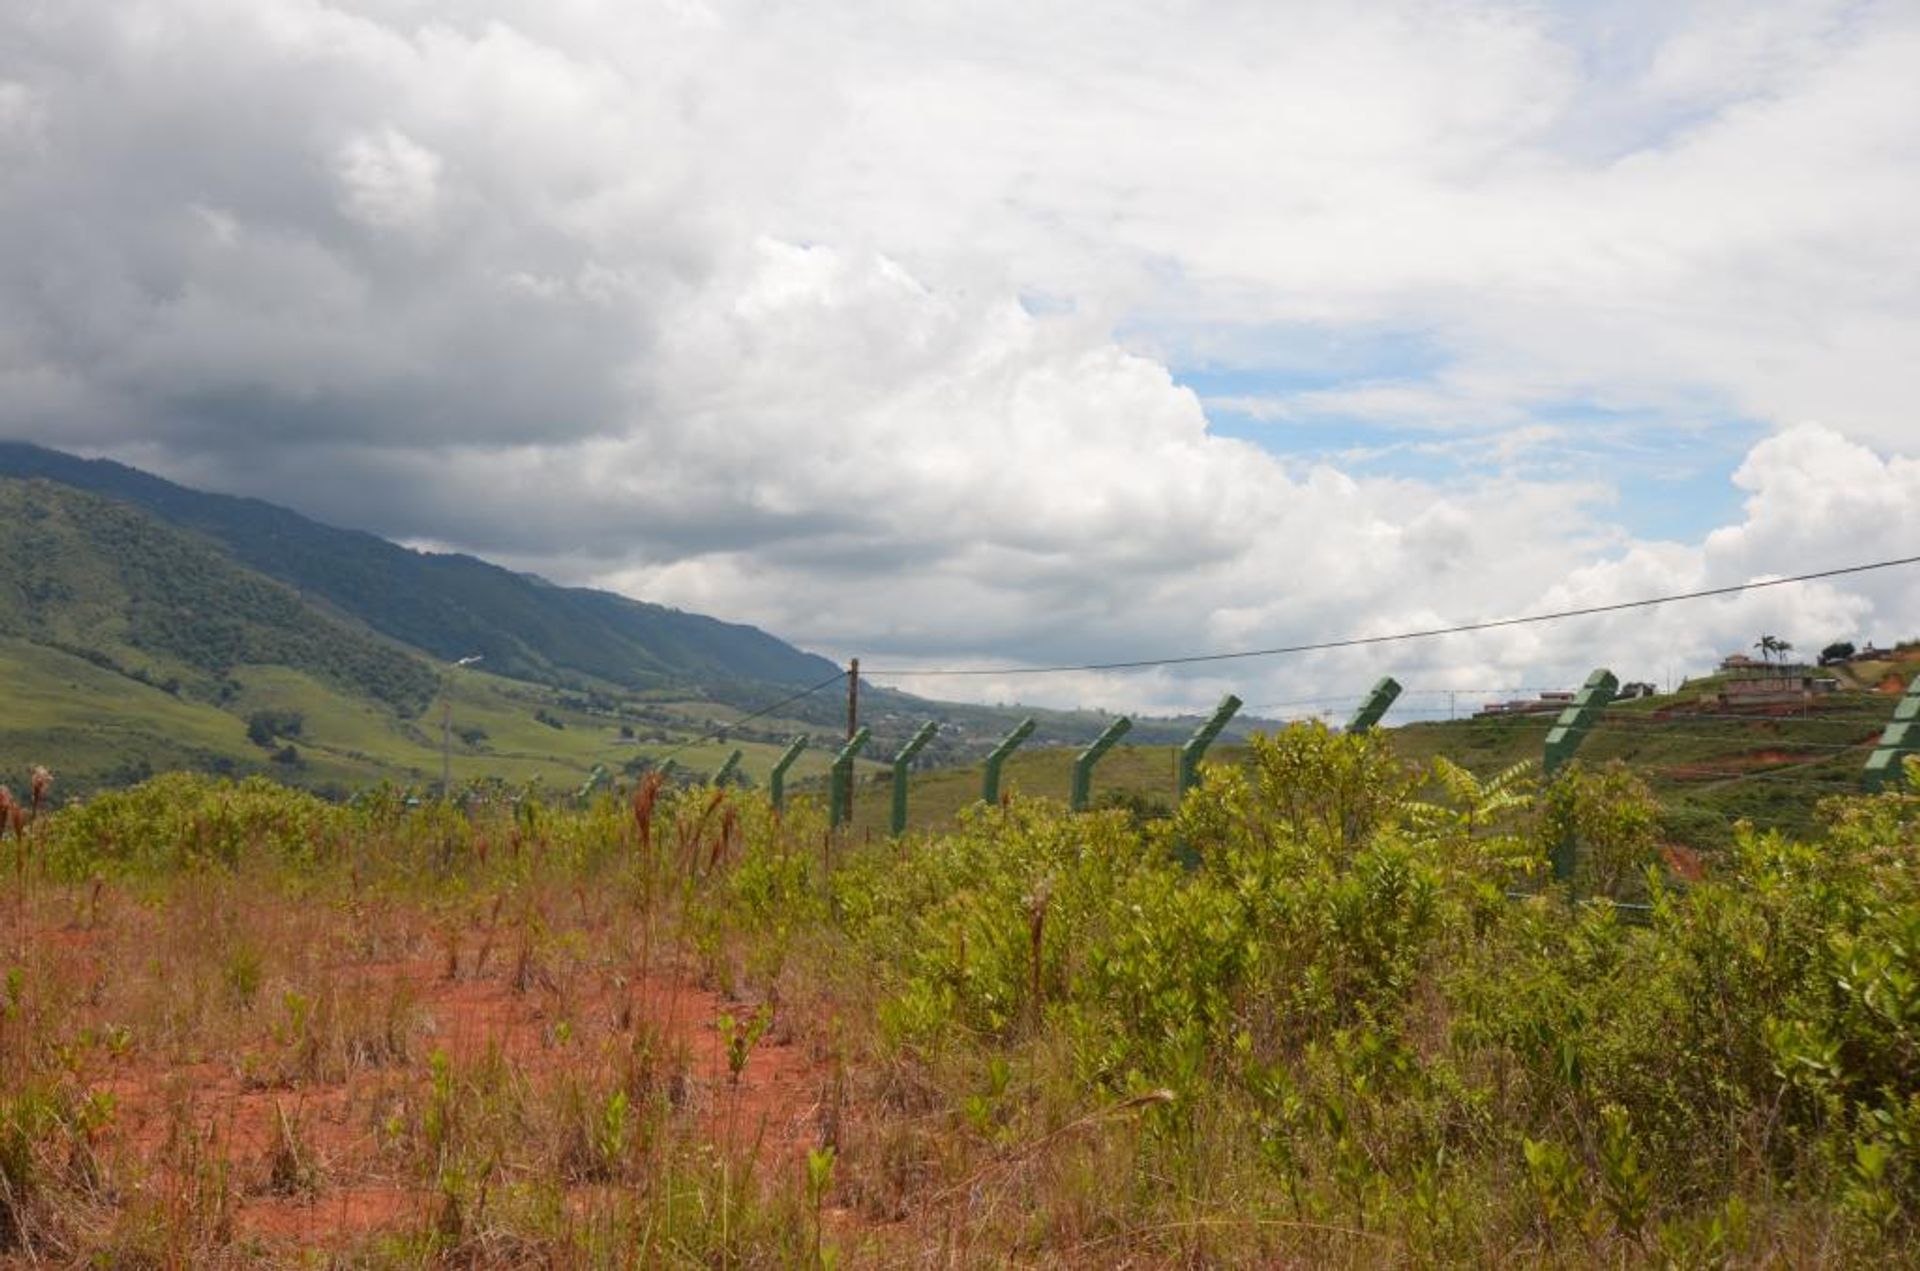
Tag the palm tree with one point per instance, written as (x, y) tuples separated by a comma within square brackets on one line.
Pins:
[(1768, 646)]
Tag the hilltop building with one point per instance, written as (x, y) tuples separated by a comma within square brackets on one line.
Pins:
[(1543, 704), (1751, 682)]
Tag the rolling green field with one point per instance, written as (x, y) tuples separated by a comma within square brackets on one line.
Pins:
[(98, 728), (77, 717)]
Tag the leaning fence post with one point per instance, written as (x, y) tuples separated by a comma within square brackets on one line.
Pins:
[(1886, 765), (777, 779), (1378, 700), (1564, 738), (1082, 790), (901, 762), (1196, 748), (596, 778), (990, 783), (840, 800), (728, 768)]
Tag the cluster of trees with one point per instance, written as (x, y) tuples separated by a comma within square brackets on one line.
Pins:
[(1772, 647), (264, 727)]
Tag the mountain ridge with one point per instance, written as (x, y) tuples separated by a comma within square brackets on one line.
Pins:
[(451, 605)]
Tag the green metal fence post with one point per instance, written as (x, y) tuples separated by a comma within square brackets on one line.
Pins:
[(840, 800), (1887, 764), (1083, 766), (595, 779), (901, 762), (990, 783), (1196, 748), (729, 768), (1375, 706), (1569, 729), (777, 779)]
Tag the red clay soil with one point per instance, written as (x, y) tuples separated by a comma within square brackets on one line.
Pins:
[(774, 1111), (336, 1216), (1684, 862), (1731, 765)]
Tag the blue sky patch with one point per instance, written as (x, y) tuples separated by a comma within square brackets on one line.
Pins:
[(1671, 471)]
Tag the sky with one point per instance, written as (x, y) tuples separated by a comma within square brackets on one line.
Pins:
[(1012, 334)]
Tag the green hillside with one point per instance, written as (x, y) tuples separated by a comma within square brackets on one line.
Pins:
[(97, 728), (84, 719), (105, 582), (672, 674), (132, 646), (129, 647), (452, 605)]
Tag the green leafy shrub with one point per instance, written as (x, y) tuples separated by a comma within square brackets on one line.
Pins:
[(183, 820), (1336, 979)]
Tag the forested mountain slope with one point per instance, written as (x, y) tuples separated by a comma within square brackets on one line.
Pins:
[(101, 579), (450, 605)]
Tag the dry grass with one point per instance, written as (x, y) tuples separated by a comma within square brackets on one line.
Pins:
[(275, 1068)]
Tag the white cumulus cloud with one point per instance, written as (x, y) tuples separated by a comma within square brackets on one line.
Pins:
[(388, 181), (868, 322)]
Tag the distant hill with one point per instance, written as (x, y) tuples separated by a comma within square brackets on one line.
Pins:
[(107, 582), (130, 645), (453, 605), (228, 608)]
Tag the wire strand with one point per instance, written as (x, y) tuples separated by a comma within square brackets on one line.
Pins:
[(1426, 634), (762, 713)]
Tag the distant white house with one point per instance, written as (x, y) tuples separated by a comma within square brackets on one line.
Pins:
[(1541, 705), (1753, 682)]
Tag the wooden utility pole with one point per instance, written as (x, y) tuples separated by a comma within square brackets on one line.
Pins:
[(853, 726), (853, 698)]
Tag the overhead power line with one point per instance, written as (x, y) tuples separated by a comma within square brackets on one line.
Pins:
[(762, 713), (1351, 642)]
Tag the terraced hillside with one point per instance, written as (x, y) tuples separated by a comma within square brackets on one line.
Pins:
[(1711, 764)]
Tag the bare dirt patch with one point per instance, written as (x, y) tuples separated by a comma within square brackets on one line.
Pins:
[(305, 1146), (1723, 766)]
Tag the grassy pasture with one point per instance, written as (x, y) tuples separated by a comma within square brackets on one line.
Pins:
[(98, 727)]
